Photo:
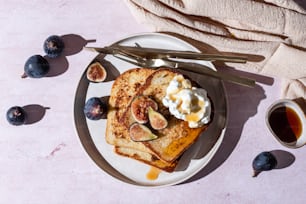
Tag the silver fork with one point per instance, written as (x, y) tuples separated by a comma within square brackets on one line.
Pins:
[(187, 66)]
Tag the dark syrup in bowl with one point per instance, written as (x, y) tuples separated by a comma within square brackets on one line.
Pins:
[(286, 124)]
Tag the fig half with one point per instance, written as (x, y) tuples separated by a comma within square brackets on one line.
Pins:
[(157, 120), (96, 72), (139, 108), (140, 133)]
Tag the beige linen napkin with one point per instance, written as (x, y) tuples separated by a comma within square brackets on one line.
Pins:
[(273, 29)]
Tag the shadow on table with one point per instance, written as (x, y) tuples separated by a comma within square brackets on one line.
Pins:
[(242, 105), (283, 158), (73, 45), (58, 66), (34, 113)]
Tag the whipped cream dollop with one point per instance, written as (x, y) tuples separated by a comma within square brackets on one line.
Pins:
[(187, 103)]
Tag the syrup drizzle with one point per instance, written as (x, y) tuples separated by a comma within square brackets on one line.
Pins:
[(153, 173)]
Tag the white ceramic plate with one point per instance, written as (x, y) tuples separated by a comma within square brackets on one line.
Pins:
[(91, 133)]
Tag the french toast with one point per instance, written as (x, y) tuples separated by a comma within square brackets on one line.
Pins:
[(177, 136), (172, 141)]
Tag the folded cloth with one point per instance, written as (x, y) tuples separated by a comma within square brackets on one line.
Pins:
[(273, 29)]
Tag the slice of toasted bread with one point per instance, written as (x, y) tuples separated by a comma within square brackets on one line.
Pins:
[(146, 158), (177, 136)]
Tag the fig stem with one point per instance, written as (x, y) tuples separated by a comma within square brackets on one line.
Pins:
[(255, 173), (91, 41), (24, 75)]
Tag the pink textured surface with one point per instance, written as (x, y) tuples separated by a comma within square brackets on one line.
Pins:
[(44, 162)]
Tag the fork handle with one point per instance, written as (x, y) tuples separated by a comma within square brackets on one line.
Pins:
[(202, 69)]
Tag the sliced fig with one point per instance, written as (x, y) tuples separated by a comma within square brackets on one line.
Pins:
[(139, 108), (96, 72), (157, 120), (140, 133)]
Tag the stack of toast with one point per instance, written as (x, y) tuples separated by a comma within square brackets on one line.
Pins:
[(163, 152)]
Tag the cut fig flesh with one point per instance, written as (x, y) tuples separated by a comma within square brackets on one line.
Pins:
[(96, 72), (140, 133), (139, 108), (157, 120)]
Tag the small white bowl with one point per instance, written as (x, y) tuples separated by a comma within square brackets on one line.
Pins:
[(300, 112)]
